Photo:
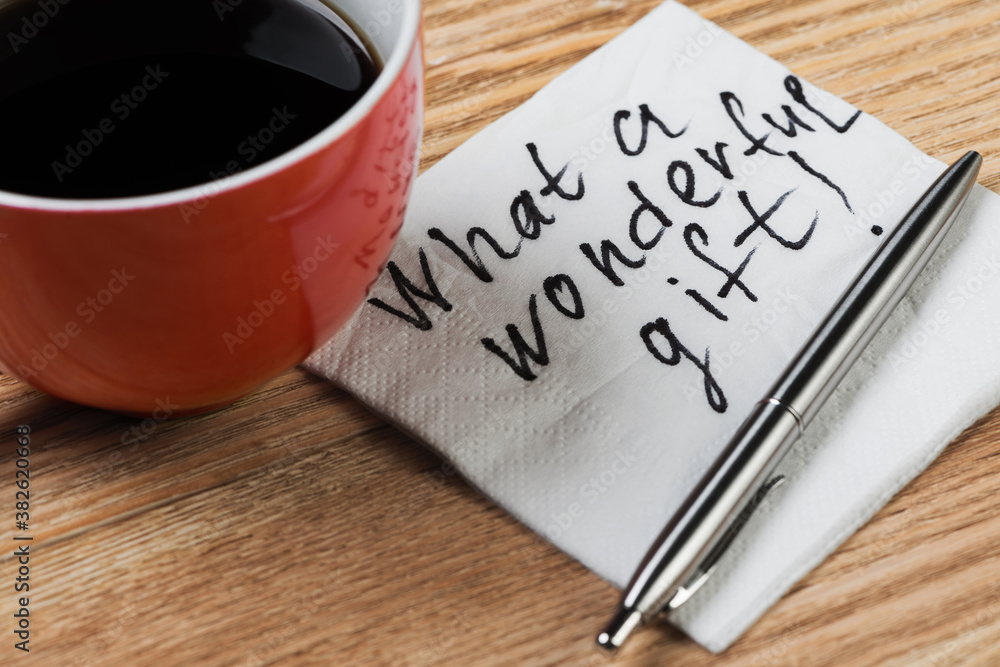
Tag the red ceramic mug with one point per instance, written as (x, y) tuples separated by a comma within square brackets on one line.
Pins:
[(191, 299)]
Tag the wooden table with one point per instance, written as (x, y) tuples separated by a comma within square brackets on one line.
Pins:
[(296, 528)]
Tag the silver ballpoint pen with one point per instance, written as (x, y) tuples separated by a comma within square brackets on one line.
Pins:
[(687, 550)]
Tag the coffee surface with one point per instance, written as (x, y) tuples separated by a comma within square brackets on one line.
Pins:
[(118, 98)]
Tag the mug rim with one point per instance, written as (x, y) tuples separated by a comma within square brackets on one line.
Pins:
[(391, 70)]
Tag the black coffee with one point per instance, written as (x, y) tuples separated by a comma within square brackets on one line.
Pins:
[(116, 98)]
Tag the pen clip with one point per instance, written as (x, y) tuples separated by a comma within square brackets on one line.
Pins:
[(708, 565)]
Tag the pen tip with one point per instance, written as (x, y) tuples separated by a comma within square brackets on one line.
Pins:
[(618, 630), (973, 158)]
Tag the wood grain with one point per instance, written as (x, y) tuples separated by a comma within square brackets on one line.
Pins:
[(294, 528)]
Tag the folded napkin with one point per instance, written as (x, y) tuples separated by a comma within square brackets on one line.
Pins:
[(590, 294)]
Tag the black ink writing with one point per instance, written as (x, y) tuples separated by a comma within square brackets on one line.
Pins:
[(794, 88), (529, 226), (685, 191), (553, 182), (733, 104), (526, 350), (788, 130), (645, 206), (760, 222), (539, 354), (407, 290), (719, 163), (836, 188), (732, 277), (678, 352), (475, 263), (608, 248), (645, 118), (706, 304), (554, 286)]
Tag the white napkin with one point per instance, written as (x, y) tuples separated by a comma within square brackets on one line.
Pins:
[(594, 440)]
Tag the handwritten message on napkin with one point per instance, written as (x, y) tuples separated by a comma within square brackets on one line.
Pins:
[(590, 294)]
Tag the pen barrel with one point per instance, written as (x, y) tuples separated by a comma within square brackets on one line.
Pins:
[(711, 508), (711, 511), (865, 305)]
